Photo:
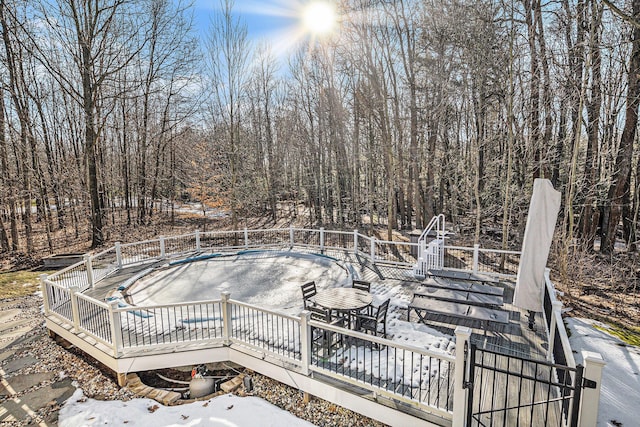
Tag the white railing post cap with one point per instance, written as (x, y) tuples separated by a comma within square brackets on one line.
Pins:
[(463, 331), (590, 399), (593, 357), (306, 314)]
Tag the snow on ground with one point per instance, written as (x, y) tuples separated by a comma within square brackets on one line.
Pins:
[(223, 411), (410, 333), (620, 389), (196, 209), (620, 392)]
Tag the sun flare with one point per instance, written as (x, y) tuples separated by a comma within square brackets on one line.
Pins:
[(319, 17)]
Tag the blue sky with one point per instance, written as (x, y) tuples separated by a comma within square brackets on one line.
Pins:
[(283, 24), (264, 18)]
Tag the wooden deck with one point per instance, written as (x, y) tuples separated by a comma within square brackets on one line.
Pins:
[(513, 338), (506, 393), (493, 389)]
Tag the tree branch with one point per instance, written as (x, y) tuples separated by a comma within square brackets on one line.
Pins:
[(617, 11)]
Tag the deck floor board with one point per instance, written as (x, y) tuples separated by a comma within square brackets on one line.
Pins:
[(513, 338)]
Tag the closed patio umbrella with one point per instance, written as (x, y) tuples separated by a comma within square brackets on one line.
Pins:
[(541, 222)]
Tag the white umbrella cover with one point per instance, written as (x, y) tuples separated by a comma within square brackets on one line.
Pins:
[(541, 222)]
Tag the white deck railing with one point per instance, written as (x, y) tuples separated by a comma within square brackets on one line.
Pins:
[(399, 371), (431, 247), (94, 268), (559, 350), (382, 366), (403, 372)]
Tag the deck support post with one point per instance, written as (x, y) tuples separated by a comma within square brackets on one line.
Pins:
[(116, 328), (593, 364), (122, 379), (556, 310), (321, 240), (476, 253), (290, 237), (355, 242), (246, 238), (226, 317), (75, 314), (118, 255), (305, 341), (198, 240), (89, 267), (45, 295), (372, 251), (162, 247), (460, 393)]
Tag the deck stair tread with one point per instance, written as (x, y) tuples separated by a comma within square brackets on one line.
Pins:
[(462, 296), (462, 275), (469, 286), (423, 306)]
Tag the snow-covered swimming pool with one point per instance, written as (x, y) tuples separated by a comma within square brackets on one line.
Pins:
[(271, 279)]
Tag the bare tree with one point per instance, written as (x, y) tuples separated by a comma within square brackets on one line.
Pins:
[(228, 48), (263, 100), (619, 190), (99, 38)]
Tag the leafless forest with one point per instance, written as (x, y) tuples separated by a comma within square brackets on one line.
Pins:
[(114, 111)]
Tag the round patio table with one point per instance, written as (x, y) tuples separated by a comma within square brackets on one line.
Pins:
[(343, 299)]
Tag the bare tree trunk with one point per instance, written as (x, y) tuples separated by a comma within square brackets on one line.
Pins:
[(547, 102), (619, 189), (635, 215), (590, 214), (229, 49), (532, 9), (506, 213), (91, 139), (124, 153), (7, 181), (17, 87), (4, 239), (51, 165)]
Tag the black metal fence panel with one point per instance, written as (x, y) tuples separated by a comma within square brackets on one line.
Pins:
[(547, 394)]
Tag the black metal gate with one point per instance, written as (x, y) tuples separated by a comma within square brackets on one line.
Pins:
[(513, 391)]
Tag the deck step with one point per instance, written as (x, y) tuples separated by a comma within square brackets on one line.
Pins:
[(423, 306), (232, 385)]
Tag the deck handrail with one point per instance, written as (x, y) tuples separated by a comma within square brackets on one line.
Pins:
[(64, 301), (264, 310), (423, 395), (430, 255), (288, 238), (280, 335), (438, 222), (381, 341), (556, 332)]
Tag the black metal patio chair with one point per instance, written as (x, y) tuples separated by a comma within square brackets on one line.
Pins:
[(308, 291), (361, 284), (369, 323), (326, 340)]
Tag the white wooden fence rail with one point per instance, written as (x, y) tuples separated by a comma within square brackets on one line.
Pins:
[(127, 329)]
